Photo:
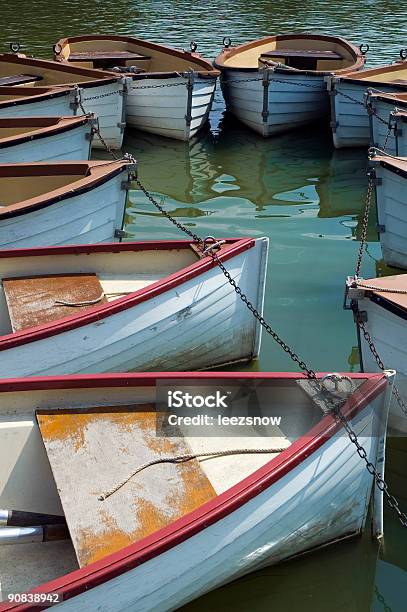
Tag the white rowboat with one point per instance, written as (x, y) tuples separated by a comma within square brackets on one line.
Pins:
[(149, 305), (176, 530), (54, 203), (395, 107), (384, 315), (349, 114), (37, 101), (391, 197), (100, 93), (170, 92), (277, 83), (30, 139)]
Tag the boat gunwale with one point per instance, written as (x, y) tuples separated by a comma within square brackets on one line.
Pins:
[(99, 172), (128, 558), (389, 98), (62, 125), (209, 70), (226, 53), (98, 77), (37, 94), (102, 311), (396, 165), (357, 77)]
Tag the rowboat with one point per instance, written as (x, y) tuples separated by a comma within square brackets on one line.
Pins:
[(390, 177), (384, 316), (28, 139), (277, 83), (54, 203), (394, 106), (148, 306), (170, 91), (174, 531), (100, 93), (349, 113)]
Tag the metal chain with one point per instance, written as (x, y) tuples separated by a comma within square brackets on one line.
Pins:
[(105, 95), (365, 223), (96, 127), (381, 600), (311, 374)]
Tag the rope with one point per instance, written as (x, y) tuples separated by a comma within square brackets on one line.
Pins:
[(183, 459), (87, 303)]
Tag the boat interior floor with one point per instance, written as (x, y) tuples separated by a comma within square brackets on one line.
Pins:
[(15, 189)]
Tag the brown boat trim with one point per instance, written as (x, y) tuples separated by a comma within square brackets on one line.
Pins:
[(195, 57), (352, 76), (397, 166), (99, 172), (231, 51), (98, 77), (392, 98), (31, 94), (42, 127)]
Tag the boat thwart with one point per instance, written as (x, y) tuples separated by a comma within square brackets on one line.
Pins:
[(31, 139), (54, 203), (170, 92), (198, 524), (277, 83)]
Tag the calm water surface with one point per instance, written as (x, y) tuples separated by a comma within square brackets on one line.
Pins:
[(295, 189)]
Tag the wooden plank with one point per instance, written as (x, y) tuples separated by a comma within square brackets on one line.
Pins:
[(32, 300), (106, 55), (92, 450), (19, 79), (310, 54)]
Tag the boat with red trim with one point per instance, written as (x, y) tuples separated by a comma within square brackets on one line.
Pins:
[(157, 518), (139, 306)]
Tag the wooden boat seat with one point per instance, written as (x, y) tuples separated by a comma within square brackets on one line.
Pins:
[(104, 59), (19, 79), (32, 300), (301, 58), (91, 451)]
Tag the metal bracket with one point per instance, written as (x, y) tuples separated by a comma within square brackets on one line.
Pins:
[(334, 124), (119, 233), (380, 228), (266, 81), (360, 316), (121, 125), (126, 185), (190, 88)]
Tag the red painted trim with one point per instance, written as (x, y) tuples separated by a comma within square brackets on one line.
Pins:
[(137, 297), (157, 543)]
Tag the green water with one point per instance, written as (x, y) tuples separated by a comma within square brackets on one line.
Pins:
[(295, 189)]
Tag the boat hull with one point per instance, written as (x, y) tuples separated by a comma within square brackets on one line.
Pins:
[(349, 118), (286, 519), (64, 145), (389, 335), (106, 101), (53, 106), (199, 324), (391, 198), (293, 99), (172, 107), (397, 138), (87, 218)]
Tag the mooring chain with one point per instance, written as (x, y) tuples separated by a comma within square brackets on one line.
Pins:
[(96, 127)]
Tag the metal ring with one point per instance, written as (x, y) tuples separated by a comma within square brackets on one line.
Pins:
[(193, 46), (57, 49), (215, 245), (364, 48), (227, 41), (336, 379), (403, 54), (15, 47)]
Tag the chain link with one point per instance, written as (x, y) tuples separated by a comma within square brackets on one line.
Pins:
[(96, 127)]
